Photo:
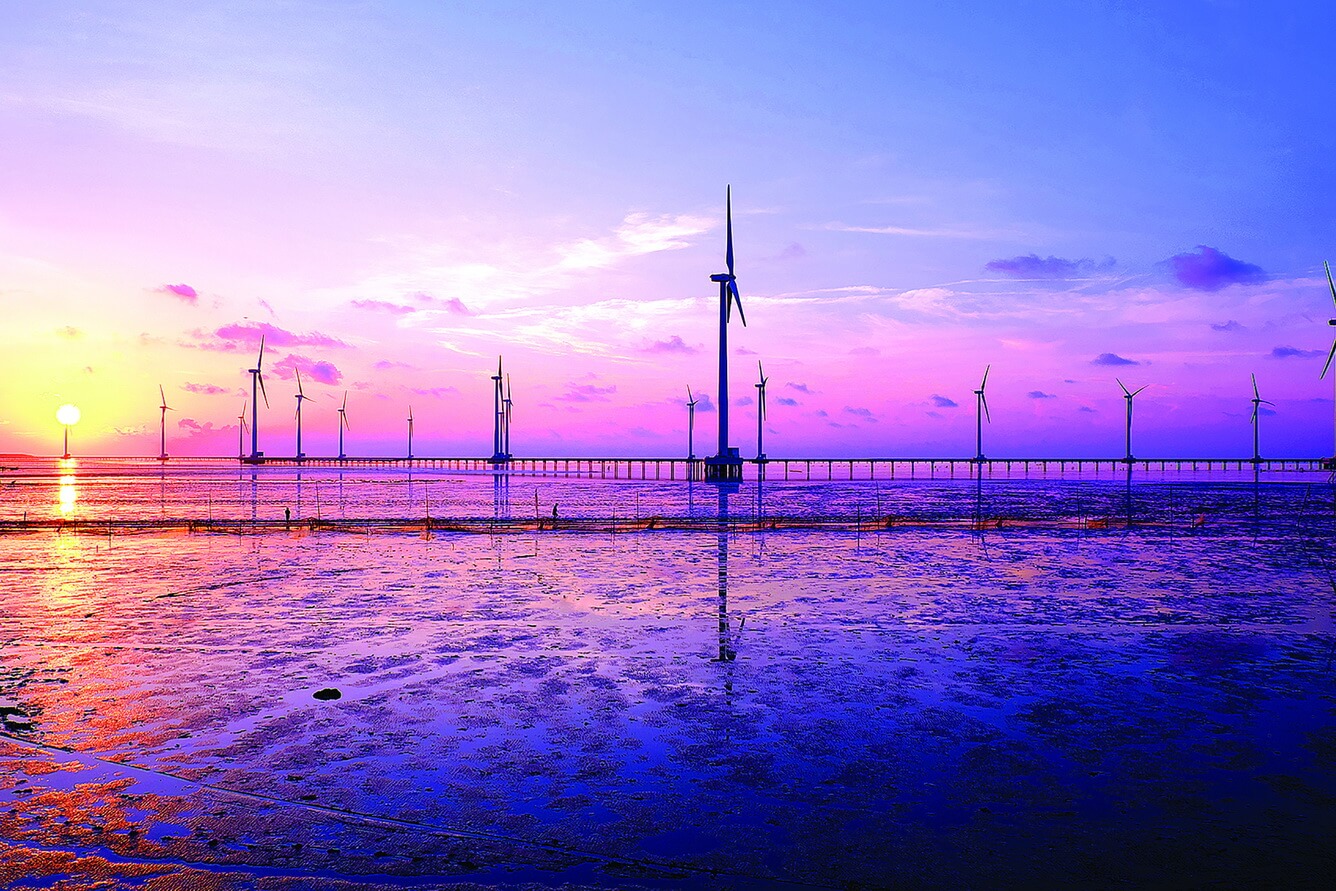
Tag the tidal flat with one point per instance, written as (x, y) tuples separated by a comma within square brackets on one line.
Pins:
[(944, 705)]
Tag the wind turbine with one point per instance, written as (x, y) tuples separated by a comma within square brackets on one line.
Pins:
[(505, 420), (410, 433), (257, 378), (241, 431), (343, 423), (726, 465), (1257, 402), (162, 454), (1332, 354), (691, 425), (760, 412), (497, 454), (1129, 396), (980, 413), (301, 397)]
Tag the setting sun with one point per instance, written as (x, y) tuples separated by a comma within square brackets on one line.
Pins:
[(68, 414)]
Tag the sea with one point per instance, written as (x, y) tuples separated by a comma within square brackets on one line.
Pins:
[(224, 676)]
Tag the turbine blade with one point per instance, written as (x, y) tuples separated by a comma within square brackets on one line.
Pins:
[(1124, 386), (1266, 402), (345, 400), (984, 399), (299, 382), (1330, 284), (1254, 414), (259, 363), (162, 394), (691, 400), (1255, 393), (736, 297), (262, 392), (728, 256), (1328, 365), (1139, 389), (987, 368)]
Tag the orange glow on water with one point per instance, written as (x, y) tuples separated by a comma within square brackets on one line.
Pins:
[(68, 494)]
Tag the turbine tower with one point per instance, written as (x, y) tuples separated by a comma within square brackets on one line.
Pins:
[(241, 432), (726, 465), (343, 423), (410, 433), (691, 425), (1129, 396), (980, 413), (301, 397), (257, 378), (498, 455), (760, 413), (1257, 402), (162, 452), (1332, 354)]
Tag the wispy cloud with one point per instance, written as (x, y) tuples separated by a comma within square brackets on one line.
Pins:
[(434, 392), (247, 335), (1040, 394), (944, 401), (1289, 352), (785, 400), (594, 393), (1033, 266), (860, 412), (70, 332), (205, 389), (1210, 270), (1112, 359), (183, 292), (312, 369), (673, 344), (638, 234), (1231, 325)]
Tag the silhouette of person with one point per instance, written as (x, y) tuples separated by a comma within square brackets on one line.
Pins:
[(554, 511), (287, 518)]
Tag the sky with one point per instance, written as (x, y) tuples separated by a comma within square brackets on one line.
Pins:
[(394, 194)]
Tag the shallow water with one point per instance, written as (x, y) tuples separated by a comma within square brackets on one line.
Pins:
[(926, 705)]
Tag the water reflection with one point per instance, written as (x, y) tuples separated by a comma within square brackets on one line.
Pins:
[(726, 651), (67, 494)]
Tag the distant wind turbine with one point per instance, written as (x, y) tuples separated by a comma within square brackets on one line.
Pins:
[(257, 378), (498, 455), (301, 397), (691, 425), (760, 412), (162, 453), (241, 431), (343, 423), (1129, 396), (1332, 354), (410, 433), (726, 465), (505, 420), (1257, 402), (980, 413)]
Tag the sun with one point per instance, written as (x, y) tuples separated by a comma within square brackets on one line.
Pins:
[(68, 414)]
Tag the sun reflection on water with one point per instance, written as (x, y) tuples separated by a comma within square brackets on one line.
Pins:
[(68, 493)]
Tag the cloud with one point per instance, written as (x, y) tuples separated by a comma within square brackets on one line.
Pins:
[(397, 309), (784, 400), (316, 369), (434, 392), (1289, 352), (205, 389), (452, 305), (865, 351), (1040, 394), (800, 388), (1035, 266), (184, 293), (594, 393), (386, 364), (69, 331), (704, 403), (1112, 359), (1231, 325), (1210, 270), (743, 351), (638, 234), (247, 335), (859, 412), (944, 402), (792, 251), (194, 428), (674, 344), (1087, 409)]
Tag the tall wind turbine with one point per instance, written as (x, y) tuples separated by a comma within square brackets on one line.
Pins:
[(1332, 354), (1257, 402), (343, 423), (1129, 395), (505, 420), (410, 433), (497, 454), (301, 397), (980, 413), (726, 465), (241, 431), (691, 425), (760, 412), (162, 453), (257, 378)]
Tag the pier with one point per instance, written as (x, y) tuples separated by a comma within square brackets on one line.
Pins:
[(794, 469)]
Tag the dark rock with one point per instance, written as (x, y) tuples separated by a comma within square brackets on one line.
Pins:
[(327, 694)]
